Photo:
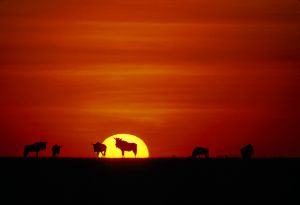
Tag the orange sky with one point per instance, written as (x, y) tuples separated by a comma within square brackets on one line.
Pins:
[(176, 73)]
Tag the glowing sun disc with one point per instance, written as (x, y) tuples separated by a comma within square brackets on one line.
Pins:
[(113, 152)]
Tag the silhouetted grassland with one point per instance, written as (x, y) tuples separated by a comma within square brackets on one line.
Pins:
[(138, 181)]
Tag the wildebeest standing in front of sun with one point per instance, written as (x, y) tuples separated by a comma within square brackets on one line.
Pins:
[(126, 146)]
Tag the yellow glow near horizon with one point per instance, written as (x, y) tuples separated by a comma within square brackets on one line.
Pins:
[(113, 152)]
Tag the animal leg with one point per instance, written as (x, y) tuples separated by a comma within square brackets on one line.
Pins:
[(25, 153)]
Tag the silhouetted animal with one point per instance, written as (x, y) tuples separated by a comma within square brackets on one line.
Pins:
[(55, 150), (126, 146), (247, 151), (99, 148), (35, 147), (199, 151)]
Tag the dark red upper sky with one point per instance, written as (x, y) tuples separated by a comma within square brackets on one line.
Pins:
[(175, 73)]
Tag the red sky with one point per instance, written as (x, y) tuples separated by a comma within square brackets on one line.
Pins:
[(176, 73)]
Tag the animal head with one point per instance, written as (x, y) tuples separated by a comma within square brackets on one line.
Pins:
[(119, 141)]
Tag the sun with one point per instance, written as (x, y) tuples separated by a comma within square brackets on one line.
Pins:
[(114, 152)]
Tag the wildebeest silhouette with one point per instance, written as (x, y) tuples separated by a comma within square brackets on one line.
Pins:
[(199, 151), (247, 151), (55, 150), (99, 148), (126, 146), (35, 147)]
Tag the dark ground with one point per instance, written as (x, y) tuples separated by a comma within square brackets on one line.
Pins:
[(140, 181)]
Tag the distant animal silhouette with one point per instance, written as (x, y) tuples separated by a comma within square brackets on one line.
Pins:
[(99, 148), (247, 151), (200, 151), (126, 146), (55, 150), (35, 147)]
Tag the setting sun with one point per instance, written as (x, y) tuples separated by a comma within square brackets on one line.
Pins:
[(113, 151)]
